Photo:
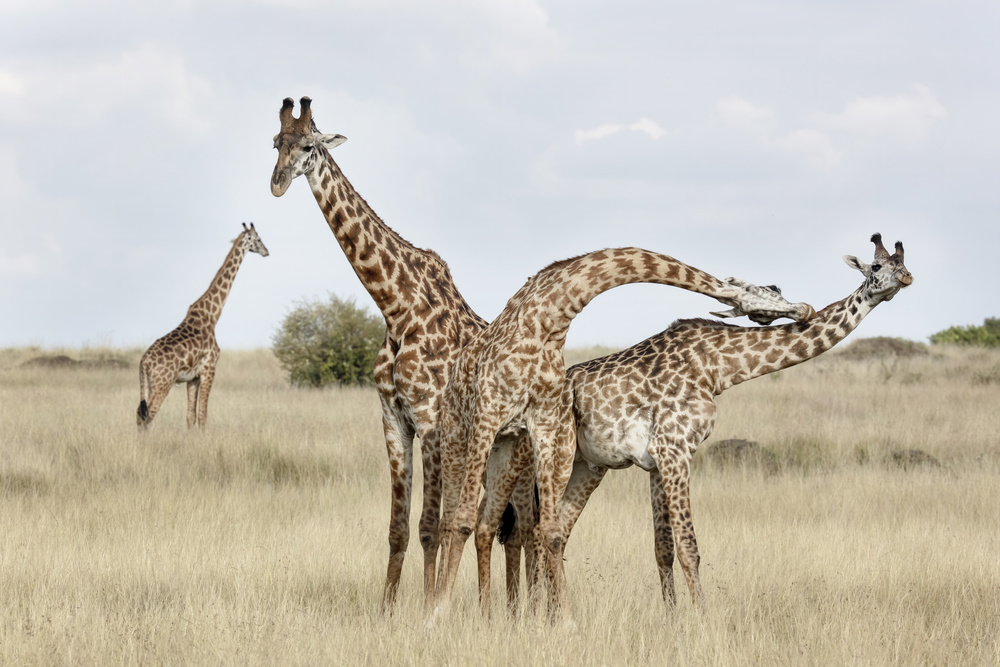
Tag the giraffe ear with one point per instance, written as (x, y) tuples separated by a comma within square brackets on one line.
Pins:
[(856, 263), (331, 141)]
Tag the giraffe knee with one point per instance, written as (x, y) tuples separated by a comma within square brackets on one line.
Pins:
[(398, 541), (428, 538)]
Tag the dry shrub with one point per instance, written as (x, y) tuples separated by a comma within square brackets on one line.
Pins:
[(909, 459), (62, 361), (739, 453), (883, 346)]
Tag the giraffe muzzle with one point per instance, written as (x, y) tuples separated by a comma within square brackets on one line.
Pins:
[(280, 181)]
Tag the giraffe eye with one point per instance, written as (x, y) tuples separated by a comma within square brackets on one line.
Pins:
[(876, 268), (308, 148)]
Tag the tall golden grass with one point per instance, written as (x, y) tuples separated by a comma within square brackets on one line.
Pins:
[(263, 540)]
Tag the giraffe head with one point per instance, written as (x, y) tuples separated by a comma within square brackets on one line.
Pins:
[(298, 143), (886, 275), (251, 242)]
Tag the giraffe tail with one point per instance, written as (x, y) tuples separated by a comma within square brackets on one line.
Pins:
[(142, 414), (507, 524)]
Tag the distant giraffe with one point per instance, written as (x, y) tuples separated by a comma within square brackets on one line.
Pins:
[(652, 404), (510, 379), (189, 352)]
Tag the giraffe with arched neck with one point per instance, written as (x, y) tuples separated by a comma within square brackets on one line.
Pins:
[(652, 404), (509, 380), (190, 352)]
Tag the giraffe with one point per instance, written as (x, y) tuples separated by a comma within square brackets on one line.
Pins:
[(190, 352), (509, 380), (427, 323), (652, 404)]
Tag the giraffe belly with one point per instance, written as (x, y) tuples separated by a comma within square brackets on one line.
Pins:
[(615, 446), (190, 372)]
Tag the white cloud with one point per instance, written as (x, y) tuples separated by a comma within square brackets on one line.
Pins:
[(907, 117), (159, 80), (11, 84), (29, 248), (738, 112), (817, 148), (644, 125)]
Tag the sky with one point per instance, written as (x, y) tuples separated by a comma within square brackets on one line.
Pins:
[(762, 140)]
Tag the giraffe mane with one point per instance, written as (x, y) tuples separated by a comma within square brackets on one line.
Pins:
[(699, 323), (560, 263)]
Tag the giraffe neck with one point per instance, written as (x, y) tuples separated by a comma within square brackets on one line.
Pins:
[(402, 279), (563, 289), (208, 308), (749, 352)]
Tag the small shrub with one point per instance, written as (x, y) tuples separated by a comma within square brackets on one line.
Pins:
[(332, 342), (987, 335)]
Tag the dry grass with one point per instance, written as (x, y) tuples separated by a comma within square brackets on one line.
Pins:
[(263, 540)]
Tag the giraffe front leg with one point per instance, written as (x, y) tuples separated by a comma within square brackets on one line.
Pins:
[(192, 391), (583, 481), (674, 465), (663, 541), (430, 517), (399, 447), (204, 389)]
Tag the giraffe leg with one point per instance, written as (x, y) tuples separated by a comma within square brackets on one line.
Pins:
[(205, 388), (582, 483), (512, 460), (663, 542), (207, 378), (555, 447), (399, 447), (518, 521), (430, 515), (157, 394), (461, 488), (192, 391), (674, 466)]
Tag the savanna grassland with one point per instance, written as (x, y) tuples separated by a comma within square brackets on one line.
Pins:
[(263, 540)]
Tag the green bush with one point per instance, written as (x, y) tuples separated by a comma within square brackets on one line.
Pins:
[(328, 342), (988, 335)]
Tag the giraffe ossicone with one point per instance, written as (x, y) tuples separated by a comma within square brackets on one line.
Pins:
[(190, 352)]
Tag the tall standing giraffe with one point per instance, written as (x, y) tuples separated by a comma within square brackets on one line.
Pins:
[(510, 379), (190, 352), (427, 321), (652, 404)]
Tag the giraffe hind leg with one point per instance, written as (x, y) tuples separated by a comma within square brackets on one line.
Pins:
[(157, 394)]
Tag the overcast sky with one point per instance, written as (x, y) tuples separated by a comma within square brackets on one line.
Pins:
[(762, 140)]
